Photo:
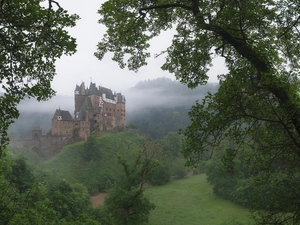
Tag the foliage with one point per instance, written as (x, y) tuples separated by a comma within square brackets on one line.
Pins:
[(29, 199), (158, 121), (91, 149), (69, 201), (258, 182), (161, 105), (172, 144), (20, 175), (162, 175), (32, 37), (126, 203), (132, 125), (257, 104)]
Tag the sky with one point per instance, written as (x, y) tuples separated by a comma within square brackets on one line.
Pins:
[(83, 66)]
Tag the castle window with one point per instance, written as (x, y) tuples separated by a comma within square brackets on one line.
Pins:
[(59, 118)]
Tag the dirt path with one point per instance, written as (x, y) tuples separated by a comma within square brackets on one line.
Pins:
[(98, 199)]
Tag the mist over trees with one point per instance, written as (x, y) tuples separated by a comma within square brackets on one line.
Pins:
[(159, 106), (34, 113), (164, 92)]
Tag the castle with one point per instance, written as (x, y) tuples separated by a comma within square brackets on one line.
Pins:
[(96, 109)]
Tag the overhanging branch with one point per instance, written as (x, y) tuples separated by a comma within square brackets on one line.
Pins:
[(143, 11), (55, 2)]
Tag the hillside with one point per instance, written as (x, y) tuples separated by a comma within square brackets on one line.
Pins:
[(93, 163)]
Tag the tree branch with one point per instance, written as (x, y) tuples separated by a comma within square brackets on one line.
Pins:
[(55, 2), (262, 66), (143, 11)]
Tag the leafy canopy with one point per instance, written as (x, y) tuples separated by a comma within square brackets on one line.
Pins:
[(258, 40), (257, 104), (32, 36)]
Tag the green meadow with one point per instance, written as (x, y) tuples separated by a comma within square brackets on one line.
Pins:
[(190, 201)]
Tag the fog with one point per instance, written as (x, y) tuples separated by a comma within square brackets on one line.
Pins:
[(49, 106), (163, 92), (160, 92)]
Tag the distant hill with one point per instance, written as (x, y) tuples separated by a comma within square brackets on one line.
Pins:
[(164, 92), (159, 106)]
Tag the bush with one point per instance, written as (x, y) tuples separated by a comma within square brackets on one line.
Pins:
[(162, 175)]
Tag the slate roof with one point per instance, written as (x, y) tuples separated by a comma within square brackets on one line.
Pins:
[(82, 114), (65, 115), (77, 88), (87, 104), (109, 94), (93, 89)]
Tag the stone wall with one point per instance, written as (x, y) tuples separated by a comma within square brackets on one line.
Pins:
[(45, 146)]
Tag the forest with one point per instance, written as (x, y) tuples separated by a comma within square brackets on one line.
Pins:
[(244, 134)]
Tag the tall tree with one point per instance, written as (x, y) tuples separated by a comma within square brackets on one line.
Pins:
[(257, 104), (32, 36), (126, 203)]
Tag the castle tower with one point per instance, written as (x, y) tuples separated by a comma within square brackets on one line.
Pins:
[(79, 98), (36, 133)]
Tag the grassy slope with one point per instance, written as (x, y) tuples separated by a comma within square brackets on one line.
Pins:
[(70, 165), (190, 201), (29, 154)]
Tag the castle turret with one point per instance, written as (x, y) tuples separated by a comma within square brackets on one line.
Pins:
[(82, 89), (77, 90)]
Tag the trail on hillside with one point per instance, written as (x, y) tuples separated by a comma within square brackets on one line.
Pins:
[(98, 199)]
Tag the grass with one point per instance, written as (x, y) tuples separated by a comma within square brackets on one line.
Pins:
[(191, 201), (98, 173), (29, 154)]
